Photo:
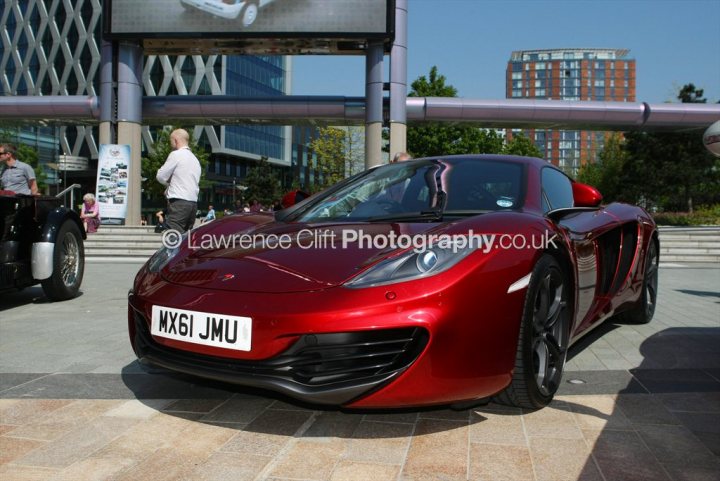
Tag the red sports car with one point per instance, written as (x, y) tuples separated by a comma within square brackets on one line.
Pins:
[(443, 280)]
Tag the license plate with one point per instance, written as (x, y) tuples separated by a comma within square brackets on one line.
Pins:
[(207, 329)]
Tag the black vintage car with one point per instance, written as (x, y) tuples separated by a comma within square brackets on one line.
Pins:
[(40, 242)]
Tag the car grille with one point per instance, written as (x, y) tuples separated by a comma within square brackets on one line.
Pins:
[(314, 359)]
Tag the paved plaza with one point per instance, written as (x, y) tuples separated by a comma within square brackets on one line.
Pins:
[(637, 403)]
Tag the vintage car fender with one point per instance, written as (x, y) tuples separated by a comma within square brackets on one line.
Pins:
[(43, 250)]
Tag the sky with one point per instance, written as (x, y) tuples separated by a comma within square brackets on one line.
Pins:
[(674, 42)]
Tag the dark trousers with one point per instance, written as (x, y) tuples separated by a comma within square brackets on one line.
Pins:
[(180, 214)]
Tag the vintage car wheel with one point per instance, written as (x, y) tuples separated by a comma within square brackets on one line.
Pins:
[(543, 340), (248, 14), (644, 311), (68, 264)]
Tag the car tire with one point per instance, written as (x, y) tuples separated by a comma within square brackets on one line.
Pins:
[(644, 310), (68, 264), (248, 13), (543, 339)]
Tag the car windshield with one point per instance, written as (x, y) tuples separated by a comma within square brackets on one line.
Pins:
[(422, 189)]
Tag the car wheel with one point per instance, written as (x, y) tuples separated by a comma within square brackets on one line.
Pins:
[(543, 340), (68, 264), (644, 311), (248, 14)]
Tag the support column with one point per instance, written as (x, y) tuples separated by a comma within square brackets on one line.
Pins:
[(398, 81), (373, 104), (129, 98), (107, 95)]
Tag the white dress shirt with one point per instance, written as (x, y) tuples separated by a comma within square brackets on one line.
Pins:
[(181, 174)]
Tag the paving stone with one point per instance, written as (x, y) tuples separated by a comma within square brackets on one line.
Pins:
[(552, 422), (644, 409), (333, 424), (623, 455), (310, 460), (230, 467), (77, 444), (497, 428), (268, 433), (500, 463), (676, 445), (380, 442), (438, 450), (562, 460), (354, 471)]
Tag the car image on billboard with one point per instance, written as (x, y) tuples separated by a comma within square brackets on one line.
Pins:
[(245, 11)]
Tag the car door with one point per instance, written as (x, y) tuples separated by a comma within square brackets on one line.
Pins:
[(585, 227)]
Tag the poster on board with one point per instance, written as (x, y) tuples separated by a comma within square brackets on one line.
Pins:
[(112, 180)]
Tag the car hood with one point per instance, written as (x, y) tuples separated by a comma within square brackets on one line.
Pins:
[(256, 254)]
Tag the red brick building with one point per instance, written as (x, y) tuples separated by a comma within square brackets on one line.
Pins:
[(604, 75)]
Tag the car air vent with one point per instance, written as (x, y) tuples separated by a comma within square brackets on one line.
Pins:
[(324, 358), (191, 277)]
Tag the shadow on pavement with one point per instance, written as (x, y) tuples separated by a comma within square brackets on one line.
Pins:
[(665, 424), (29, 295), (212, 402)]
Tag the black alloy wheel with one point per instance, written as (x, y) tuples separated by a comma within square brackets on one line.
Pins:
[(544, 338)]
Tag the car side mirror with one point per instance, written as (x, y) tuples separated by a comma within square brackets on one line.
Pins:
[(585, 195)]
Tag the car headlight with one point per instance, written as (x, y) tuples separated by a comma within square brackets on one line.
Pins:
[(412, 265), (161, 258)]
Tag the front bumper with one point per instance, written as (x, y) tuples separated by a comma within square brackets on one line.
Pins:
[(324, 368), (455, 335)]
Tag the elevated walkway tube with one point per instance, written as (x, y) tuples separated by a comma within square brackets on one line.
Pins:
[(338, 110)]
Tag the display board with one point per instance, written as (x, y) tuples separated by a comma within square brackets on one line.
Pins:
[(302, 25)]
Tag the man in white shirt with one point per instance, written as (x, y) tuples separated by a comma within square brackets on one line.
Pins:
[(181, 174)]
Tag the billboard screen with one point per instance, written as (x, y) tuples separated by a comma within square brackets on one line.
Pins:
[(267, 19)]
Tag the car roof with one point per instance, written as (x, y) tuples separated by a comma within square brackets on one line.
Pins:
[(495, 157)]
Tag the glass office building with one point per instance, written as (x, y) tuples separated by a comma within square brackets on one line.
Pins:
[(606, 75)]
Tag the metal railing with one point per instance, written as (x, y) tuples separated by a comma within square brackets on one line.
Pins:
[(63, 194)]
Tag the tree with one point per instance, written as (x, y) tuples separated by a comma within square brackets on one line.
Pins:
[(329, 148), (521, 145), (672, 169), (262, 183), (446, 139), (607, 173), (158, 154), (354, 150)]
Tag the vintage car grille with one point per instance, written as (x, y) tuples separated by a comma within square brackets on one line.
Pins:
[(313, 360)]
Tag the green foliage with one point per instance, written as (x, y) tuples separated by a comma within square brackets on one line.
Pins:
[(434, 87), (157, 156), (521, 145), (445, 139), (606, 174), (701, 216), (262, 184), (670, 171), (354, 150), (329, 148)]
